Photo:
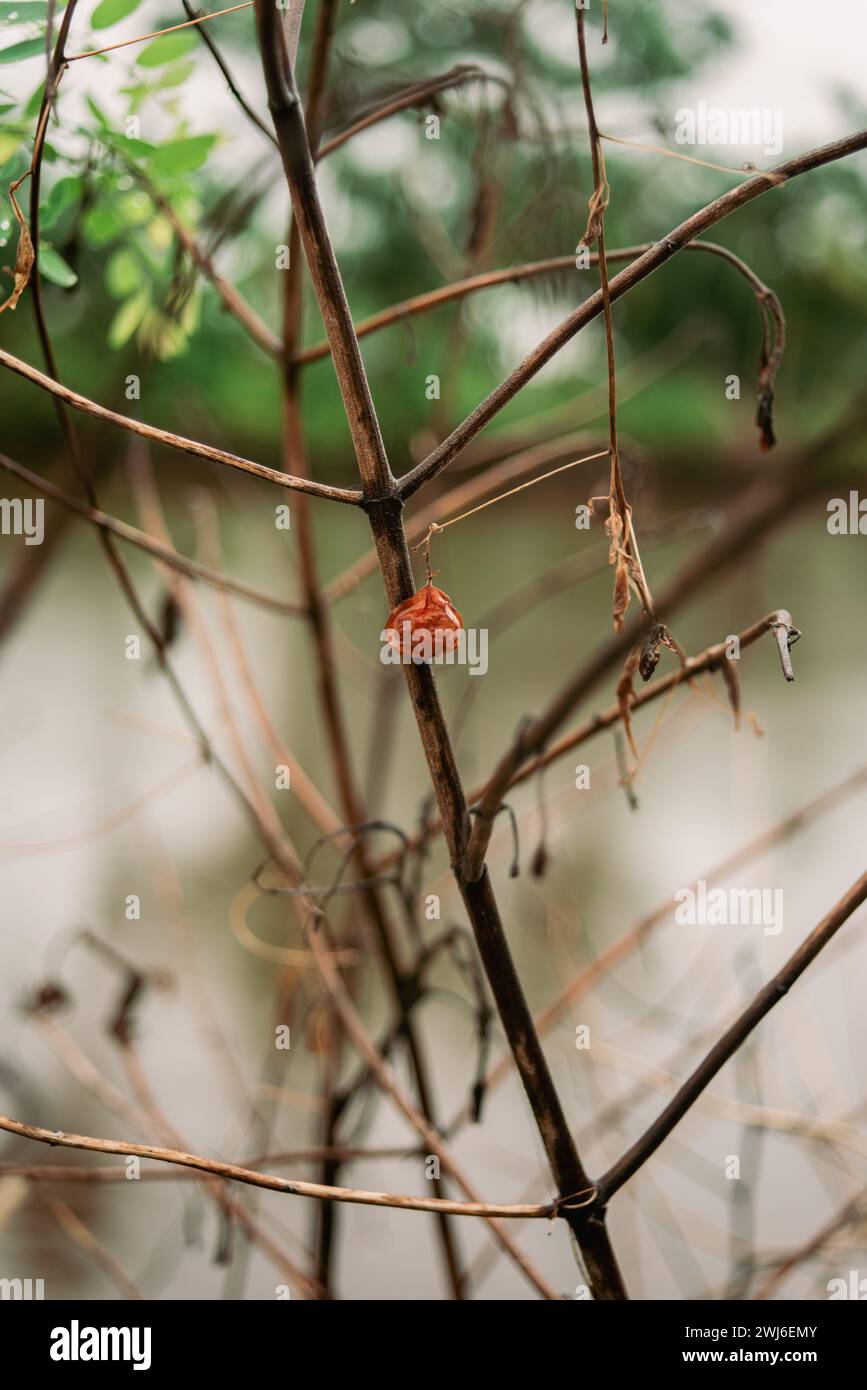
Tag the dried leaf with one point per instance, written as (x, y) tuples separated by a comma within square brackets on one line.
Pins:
[(733, 685), (621, 592), (24, 257), (625, 695), (649, 659), (597, 205), (539, 862), (755, 725), (765, 418)]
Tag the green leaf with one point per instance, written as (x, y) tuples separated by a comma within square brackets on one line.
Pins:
[(28, 48), (54, 267), (128, 318), (96, 112), (130, 144), (103, 223), (182, 156), (110, 12), (124, 274), (8, 145), (167, 48), (64, 193), (175, 76), (35, 101)]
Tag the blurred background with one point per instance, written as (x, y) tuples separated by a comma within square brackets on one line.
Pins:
[(104, 798)]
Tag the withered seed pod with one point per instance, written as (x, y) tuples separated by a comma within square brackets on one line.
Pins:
[(429, 610)]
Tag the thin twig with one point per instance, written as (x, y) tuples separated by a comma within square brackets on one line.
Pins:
[(157, 33), (175, 441), (776, 988)]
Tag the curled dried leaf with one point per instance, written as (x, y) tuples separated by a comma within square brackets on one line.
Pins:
[(614, 529), (765, 418), (733, 686), (597, 205), (658, 636), (539, 862), (625, 695), (754, 724), (24, 257), (621, 591)]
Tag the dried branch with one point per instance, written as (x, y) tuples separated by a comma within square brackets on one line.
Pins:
[(534, 736), (175, 441), (384, 510), (143, 541), (513, 275), (765, 1000), (270, 1182), (418, 94), (210, 43), (446, 452)]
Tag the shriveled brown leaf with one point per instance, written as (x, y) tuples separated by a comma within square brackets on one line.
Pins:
[(540, 860), (24, 257), (733, 686), (765, 418), (597, 205), (614, 529), (625, 695), (755, 725), (658, 636), (621, 591)]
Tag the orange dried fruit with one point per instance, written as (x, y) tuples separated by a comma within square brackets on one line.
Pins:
[(428, 611)]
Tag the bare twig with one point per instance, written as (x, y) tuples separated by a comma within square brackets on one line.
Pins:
[(175, 441), (446, 452), (776, 988)]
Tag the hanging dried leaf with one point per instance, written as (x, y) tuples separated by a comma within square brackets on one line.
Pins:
[(621, 591), (658, 636), (24, 257), (539, 862), (733, 686), (625, 695), (765, 418), (773, 330), (597, 205), (755, 725), (614, 529)]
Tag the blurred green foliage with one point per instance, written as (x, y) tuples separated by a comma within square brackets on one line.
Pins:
[(507, 181)]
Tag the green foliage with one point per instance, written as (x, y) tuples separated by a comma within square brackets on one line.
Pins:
[(182, 156), (110, 12), (54, 267), (406, 224), (28, 12), (168, 48), (27, 48)]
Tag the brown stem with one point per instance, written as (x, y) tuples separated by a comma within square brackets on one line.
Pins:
[(195, 447), (384, 512), (351, 802)]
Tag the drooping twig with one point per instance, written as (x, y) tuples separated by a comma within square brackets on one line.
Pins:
[(663, 250)]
